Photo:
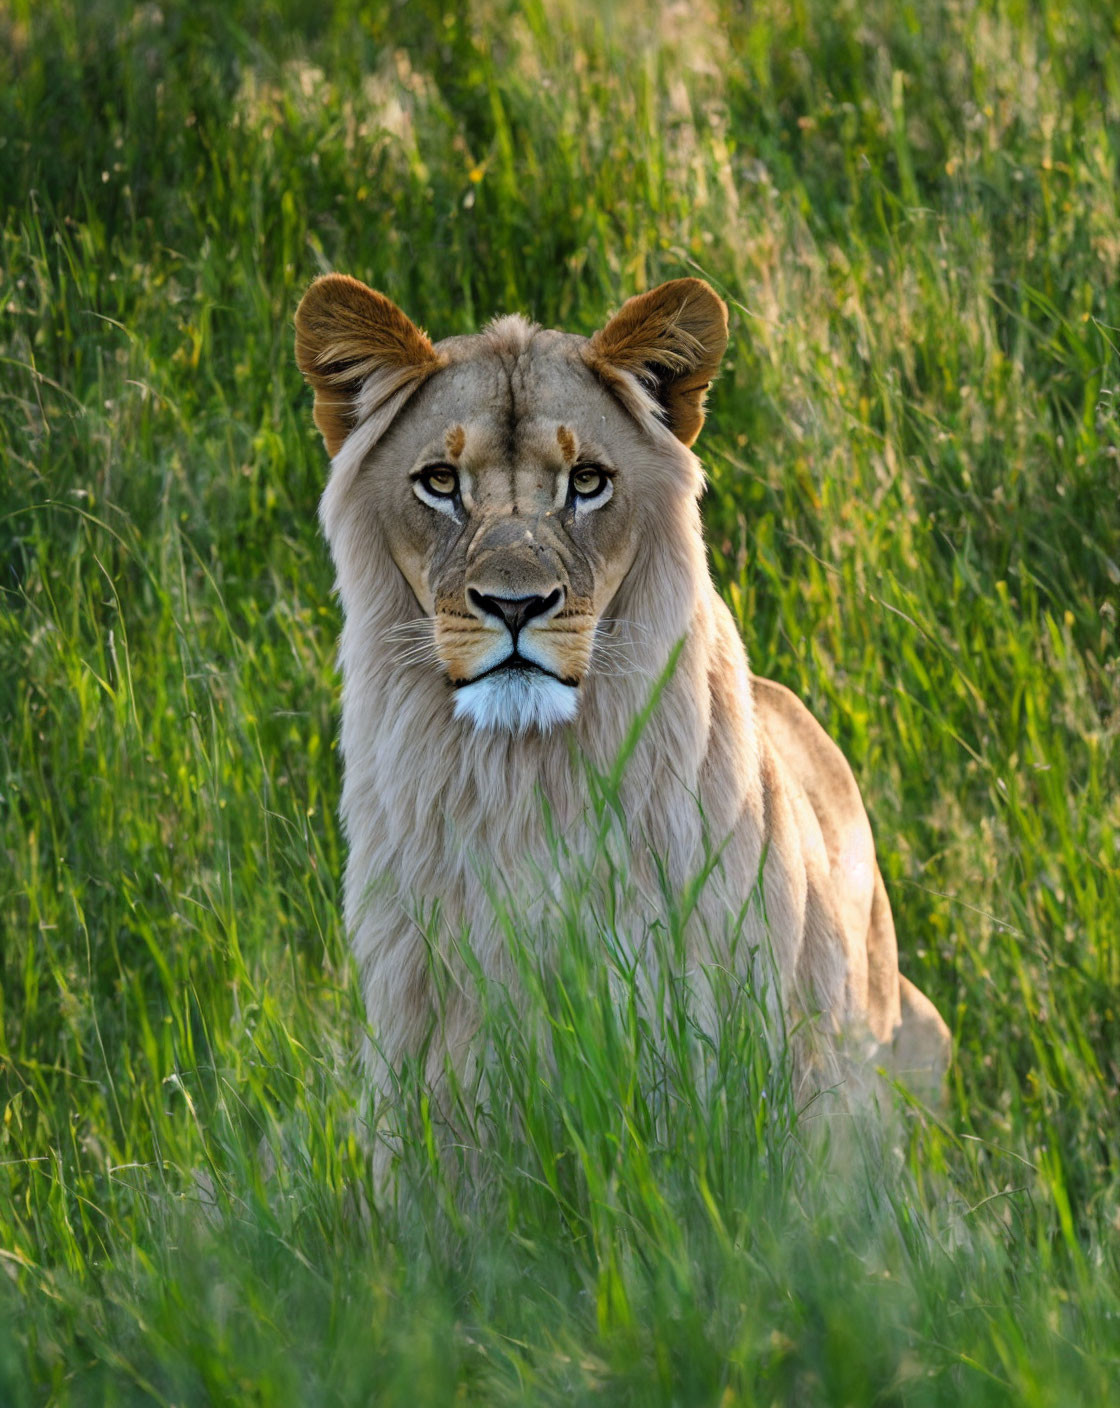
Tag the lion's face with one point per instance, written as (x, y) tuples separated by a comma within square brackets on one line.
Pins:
[(509, 508), (512, 482)]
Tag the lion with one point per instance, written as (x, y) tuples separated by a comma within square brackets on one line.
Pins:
[(500, 507)]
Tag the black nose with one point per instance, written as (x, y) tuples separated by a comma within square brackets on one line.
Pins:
[(515, 611)]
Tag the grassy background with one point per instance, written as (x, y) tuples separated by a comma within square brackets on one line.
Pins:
[(913, 454)]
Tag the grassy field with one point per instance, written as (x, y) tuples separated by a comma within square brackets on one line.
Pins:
[(914, 510)]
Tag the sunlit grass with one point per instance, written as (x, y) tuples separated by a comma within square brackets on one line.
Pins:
[(913, 510)]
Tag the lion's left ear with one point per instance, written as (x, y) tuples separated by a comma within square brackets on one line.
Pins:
[(672, 340), (357, 349)]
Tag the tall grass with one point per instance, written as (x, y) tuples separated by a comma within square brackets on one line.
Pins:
[(914, 511)]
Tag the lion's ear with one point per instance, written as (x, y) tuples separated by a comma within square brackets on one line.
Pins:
[(672, 340), (356, 348)]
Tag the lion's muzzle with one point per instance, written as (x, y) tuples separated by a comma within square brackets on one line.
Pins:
[(523, 689), (514, 629), (515, 611)]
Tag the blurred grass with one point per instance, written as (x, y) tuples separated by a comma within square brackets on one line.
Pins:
[(914, 510)]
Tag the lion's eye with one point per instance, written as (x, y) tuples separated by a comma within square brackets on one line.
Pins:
[(588, 481), (438, 481)]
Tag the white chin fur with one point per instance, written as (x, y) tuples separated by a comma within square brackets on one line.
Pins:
[(517, 700)]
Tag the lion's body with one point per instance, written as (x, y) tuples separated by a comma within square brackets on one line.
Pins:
[(448, 756)]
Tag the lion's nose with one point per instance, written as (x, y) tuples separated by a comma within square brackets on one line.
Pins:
[(515, 611)]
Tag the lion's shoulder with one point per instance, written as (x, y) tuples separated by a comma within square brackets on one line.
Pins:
[(810, 759)]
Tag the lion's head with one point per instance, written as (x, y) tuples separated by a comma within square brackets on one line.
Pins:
[(512, 476)]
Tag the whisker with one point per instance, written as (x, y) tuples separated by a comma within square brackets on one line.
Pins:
[(412, 624), (416, 656), (631, 626), (618, 663), (417, 627), (614, 650), (416, 647), (614, 670)]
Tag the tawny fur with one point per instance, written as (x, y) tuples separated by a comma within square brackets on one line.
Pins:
[(437, 810)]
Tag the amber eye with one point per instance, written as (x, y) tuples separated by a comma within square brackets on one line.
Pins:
[(588, 481), (440, 480)]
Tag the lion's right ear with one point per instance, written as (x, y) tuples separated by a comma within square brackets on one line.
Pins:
[(671, 340), (356, 349)]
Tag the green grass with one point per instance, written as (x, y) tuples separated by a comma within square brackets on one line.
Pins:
[(914, 511)]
